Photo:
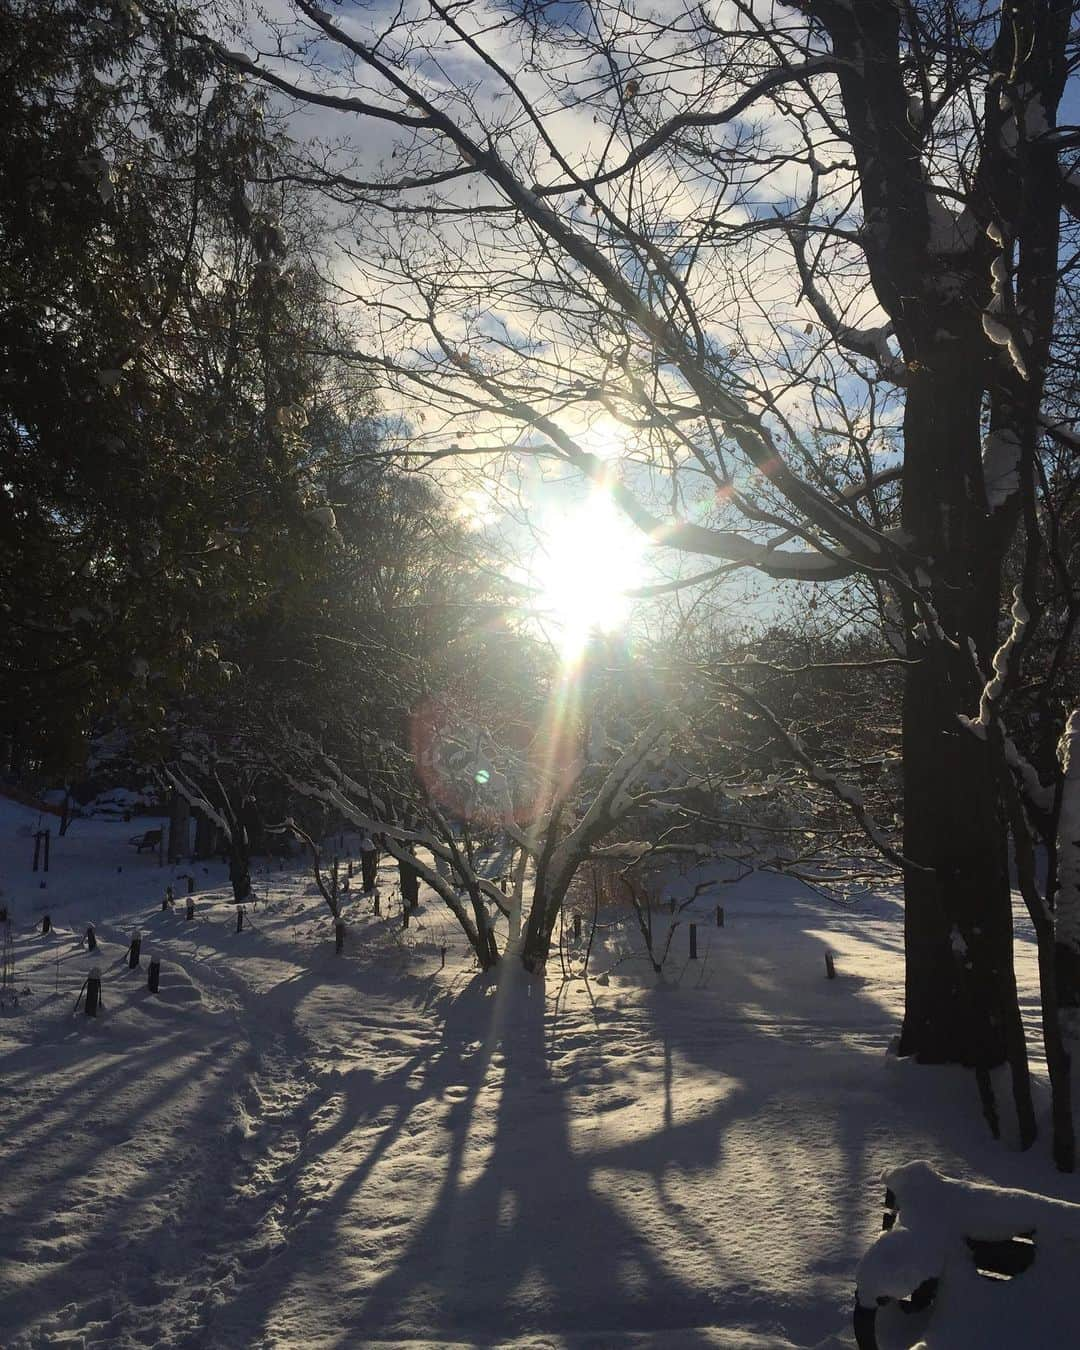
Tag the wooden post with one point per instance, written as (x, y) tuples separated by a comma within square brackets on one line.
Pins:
[(830, 968), (46, 923), (91, 938), (153, 978), (693, 942), (189, 908), (93, 991), (339, 936), (239, 918), (134, 949)]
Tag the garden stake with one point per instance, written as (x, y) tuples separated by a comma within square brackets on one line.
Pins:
[(93, 991)]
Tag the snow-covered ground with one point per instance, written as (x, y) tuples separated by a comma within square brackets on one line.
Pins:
[(286, 1148)]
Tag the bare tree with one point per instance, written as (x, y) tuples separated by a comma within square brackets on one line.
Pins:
[(807, 259)]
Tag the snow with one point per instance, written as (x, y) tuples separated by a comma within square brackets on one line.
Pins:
[(995, 685), (936, 1216), (995, 330), (289, 1148), (1001, 464), (950, 232)]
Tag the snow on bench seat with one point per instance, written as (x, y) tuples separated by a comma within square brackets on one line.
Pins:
[(943, 1226)]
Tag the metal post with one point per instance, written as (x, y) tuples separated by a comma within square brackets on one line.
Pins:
[(93, 991), (693, 942), (830, 967)]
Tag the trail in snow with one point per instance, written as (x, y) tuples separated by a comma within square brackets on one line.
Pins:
[(287, 1148)]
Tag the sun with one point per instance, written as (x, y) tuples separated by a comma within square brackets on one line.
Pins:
[(590, 558)]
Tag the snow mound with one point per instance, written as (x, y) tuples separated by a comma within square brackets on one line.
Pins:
[(942, 1234)]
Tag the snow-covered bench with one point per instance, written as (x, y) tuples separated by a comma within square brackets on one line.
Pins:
[(149, 839), (972, 1266)]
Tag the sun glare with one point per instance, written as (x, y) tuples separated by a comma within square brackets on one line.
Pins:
[(592, 556)]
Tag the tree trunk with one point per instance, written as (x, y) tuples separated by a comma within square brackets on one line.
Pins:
[(240, 870), (205, 834), (179, 826), (961, 1002), (1067, 906), (518, 895), (410, 884), (549, 891)]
